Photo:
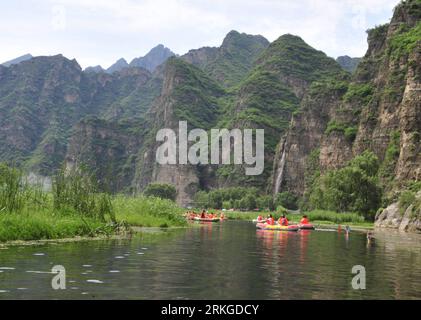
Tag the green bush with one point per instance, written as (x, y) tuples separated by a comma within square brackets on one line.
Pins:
[(161, 190), (361, 93), (287, 200), (350, 132), (405, 41), (353, 188)]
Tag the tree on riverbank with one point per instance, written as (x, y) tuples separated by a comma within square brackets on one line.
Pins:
[(354, 188)]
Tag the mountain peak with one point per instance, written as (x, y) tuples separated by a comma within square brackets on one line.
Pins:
[(94, 69), (17, 60), (235, 38), (119, 65), (155, 57)]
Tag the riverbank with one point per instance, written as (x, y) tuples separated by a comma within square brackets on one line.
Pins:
[(317, 217), (48, 223)]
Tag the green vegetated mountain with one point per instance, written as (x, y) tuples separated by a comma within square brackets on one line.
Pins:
[(43, 98), (377, 110), (232, 61), (317, 116)]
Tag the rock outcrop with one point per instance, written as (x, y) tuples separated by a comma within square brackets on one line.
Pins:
[(394, 217)]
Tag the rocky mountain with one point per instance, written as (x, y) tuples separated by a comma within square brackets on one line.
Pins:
[(153, 58), (378, 109), (229, 63), (17, 60), (347, 63)]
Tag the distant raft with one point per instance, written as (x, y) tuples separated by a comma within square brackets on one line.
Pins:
[(277, 227)]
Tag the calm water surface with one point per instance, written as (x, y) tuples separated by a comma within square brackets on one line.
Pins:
[(228, 260)]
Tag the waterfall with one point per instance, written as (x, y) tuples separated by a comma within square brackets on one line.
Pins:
[(280, 170)]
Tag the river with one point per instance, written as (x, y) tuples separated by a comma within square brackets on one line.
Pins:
[(227, 260)]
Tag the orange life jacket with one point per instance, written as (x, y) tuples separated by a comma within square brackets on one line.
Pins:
[(283, 221), (304, 221)]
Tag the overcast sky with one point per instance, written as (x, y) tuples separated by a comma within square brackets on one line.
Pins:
[(101, 31)]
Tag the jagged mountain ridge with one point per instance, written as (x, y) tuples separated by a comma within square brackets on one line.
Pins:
[(154, 58)]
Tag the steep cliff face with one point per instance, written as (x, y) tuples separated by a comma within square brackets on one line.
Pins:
[(108, 149), (188, 94), (38, 97), (378, 110)]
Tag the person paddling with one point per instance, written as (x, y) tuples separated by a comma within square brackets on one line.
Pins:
[(270, 220), (283, 221), (305, 220)]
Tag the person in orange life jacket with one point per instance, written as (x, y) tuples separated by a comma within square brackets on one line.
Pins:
[(305, 220), (270, 220), (203, 214), (259, 218), (283, 221)]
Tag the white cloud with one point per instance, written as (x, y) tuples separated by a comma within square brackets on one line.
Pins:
[(101, 31)]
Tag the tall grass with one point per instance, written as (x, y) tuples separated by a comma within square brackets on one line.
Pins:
[(76, 190), (74, 207), (12, 189), (323, 215), (148, 211)]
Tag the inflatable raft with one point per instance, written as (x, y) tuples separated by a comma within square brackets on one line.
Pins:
[(206, 219), (306, 226), (277, 227)]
